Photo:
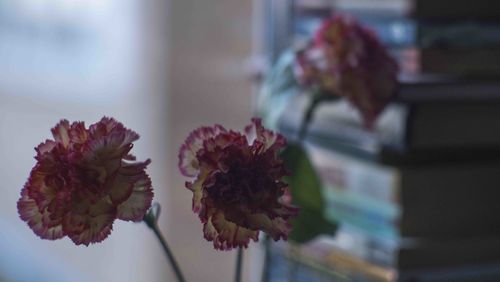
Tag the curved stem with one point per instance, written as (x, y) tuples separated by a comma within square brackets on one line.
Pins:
[(150, 221), (317, 98), (239, 259), (308, 116)]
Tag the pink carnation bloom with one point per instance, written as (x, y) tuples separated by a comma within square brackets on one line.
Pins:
[(237, 187), (347, 60), (83, 180)]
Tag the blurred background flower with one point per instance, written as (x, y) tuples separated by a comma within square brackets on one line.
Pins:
[(345, 59)]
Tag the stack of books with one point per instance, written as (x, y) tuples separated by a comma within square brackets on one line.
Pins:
[(417, 196), (426, 36)]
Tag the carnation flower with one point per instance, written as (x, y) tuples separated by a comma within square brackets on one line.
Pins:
[(237, 188), (83, 180), (347, 60)]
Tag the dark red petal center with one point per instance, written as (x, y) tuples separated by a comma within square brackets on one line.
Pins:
[(249, 185)]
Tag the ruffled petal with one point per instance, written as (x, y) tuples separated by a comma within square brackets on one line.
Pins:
[(197, 188), (106, 152), (139, 201), (121, 188), (227, 235), (256, 132), (44, 148), (277, 228), (43, 188), (43, 223), (128, 176), (210, 233), (136, 206), (284, 211), (188, 164), (129, 157), (113, 146), (107, 126), (93, 229), (92, 226), (78, 133), (61, 133)]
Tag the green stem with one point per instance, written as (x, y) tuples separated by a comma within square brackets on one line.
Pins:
[(239, 259), (151, 221), (317, 98), (308, 116)]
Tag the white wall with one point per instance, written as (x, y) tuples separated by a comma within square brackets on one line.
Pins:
[(99, 67)]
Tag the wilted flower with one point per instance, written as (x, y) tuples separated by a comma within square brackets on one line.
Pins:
[(237, 190), (83, 180), (347, 60)]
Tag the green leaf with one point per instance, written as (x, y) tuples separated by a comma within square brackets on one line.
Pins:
[(305, 187), (303, 181), (309, 224)]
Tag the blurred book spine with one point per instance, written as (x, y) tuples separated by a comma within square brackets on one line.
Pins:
[(421, 9), (452, 37), (321, 261), (416, 197), (391, 201)]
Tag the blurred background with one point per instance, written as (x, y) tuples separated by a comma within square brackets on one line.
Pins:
[(162, 68), (166, 67)]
